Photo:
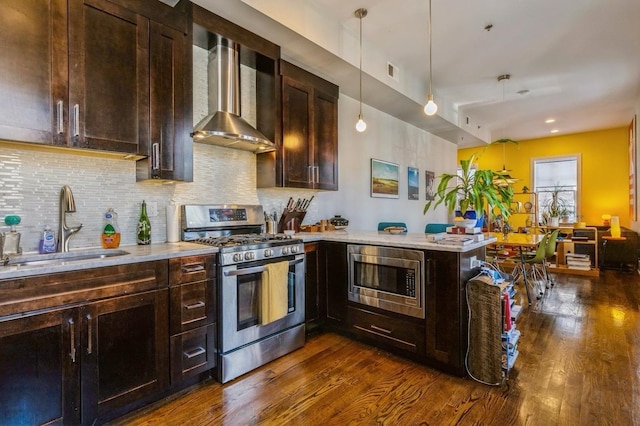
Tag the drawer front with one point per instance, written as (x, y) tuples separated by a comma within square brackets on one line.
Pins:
[(192, 352), (386, 330), (191, 268), (192, 306)]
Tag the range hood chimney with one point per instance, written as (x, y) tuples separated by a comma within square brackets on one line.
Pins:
[(225, 127)]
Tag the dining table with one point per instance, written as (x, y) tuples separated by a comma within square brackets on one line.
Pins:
[(521, 242)]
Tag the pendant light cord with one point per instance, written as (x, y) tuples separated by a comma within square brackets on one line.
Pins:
[(430, 61), (361, 15)]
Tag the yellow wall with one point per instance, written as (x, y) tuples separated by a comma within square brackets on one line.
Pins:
[(605, 167)]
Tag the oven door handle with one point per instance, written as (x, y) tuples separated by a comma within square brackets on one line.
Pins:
[(255, 269)]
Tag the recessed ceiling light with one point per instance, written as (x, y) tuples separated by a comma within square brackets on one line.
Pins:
[(550, 120), (554, 131), (523, 92)]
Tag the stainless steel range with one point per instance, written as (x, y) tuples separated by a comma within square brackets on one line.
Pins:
[(248, 335)]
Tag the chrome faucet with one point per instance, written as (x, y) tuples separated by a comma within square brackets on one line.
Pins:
[(67, 205)]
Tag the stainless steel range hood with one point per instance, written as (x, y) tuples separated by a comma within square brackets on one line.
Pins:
[(225, 127)]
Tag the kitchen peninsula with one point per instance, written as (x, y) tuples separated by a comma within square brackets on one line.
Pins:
[(65, 301)]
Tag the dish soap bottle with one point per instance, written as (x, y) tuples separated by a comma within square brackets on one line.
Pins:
[(144, 227), (48, 241), (110, 233)]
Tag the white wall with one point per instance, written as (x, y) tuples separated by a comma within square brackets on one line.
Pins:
[(387, 139)]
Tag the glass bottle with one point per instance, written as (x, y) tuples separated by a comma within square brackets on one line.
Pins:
[(144, 227)]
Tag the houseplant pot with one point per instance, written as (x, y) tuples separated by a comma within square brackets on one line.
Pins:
[(473, 190)]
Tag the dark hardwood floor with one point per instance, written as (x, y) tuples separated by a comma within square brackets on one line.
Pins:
[(579, 364)]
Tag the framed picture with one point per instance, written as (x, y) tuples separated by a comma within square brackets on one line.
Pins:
[(384, 179), (413, 183), (633, 191), (430, 178)]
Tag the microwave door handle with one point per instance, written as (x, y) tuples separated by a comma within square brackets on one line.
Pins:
[(255, 269)]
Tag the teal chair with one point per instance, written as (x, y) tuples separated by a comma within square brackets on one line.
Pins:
[(436, 228), (383, 225)]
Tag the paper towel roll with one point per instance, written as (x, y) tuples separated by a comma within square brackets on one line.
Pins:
[(173, 224)]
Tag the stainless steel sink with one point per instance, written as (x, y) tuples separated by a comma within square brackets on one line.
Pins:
[(58, 258)]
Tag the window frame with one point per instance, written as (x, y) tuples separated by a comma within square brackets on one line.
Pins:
[(565, 157)]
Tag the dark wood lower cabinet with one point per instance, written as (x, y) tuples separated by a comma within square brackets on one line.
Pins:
[(388, 331), (334, 258), (446, 317), (313, 294), (83, 346), (124, 353), (439, 340), (192, 318), (39, 380)]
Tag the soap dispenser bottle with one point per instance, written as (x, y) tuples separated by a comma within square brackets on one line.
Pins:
[(11, 244), (48, 241)]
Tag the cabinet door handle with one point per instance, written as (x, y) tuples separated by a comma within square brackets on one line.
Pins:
[(155, 156), (316, 174), (72, 332), (198, 304), (384, 330), (89, 335), (76, 120), (190, 269), (60, 111), (197, 351)]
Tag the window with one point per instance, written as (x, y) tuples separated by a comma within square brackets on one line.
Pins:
[(557, 178)]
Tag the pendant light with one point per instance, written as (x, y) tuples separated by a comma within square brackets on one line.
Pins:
[(430, 108), (361, 126), (503, 177)]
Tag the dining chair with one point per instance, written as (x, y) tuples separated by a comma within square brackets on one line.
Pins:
[(550, 252), (526, 265), (436, 228), (382, 225)]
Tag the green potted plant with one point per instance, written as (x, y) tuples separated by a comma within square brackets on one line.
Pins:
[(473, 190), (556, 208)]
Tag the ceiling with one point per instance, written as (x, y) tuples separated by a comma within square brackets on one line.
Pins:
[(579, 61)]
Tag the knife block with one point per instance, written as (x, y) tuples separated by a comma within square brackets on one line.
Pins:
[(290, 220)]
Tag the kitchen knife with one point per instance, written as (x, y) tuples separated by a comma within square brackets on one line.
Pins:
[(290, 204), (306, 206), (297, 206)]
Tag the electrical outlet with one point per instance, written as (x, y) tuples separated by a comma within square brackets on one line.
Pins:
[(474, 262), (152, 208)]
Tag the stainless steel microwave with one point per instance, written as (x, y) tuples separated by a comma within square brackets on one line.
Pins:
[(388, 278)]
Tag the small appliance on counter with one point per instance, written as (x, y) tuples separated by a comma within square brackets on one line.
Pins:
[(339, 222)]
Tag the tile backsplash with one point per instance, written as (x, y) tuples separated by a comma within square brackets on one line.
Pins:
[(31, 181)]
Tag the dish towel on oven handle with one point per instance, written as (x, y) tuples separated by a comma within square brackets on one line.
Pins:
[(275, 301)]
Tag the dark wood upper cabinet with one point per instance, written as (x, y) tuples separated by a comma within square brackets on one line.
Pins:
[(170, 146), (109, 77), (33, 71), (307, 156), (102, 75)]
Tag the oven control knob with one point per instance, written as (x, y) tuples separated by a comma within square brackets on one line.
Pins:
[(249, 255), (285, 250), (238, 257), (294, 249), (268, 252)]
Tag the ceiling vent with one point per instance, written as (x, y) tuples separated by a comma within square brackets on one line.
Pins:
[(393, 72)]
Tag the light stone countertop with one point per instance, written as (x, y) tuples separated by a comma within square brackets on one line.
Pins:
[(162, 251), (409, 240), (136, 254)]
